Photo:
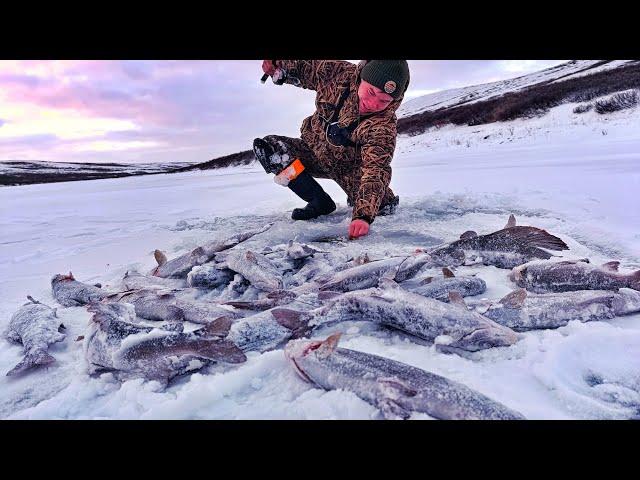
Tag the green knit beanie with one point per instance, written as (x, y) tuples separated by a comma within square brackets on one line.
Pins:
[(390, 76)]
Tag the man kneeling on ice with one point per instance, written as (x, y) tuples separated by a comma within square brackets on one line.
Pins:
[(350, 138)]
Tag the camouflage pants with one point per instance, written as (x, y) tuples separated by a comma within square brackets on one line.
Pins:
[(346, 176)]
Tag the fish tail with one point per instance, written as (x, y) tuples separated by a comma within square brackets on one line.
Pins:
[(220, 350), (31, 360), (291, 319)]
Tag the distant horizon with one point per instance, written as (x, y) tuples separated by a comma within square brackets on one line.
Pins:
[(135, 112)]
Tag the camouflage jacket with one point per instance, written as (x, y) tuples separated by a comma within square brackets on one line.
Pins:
[(374, 136)]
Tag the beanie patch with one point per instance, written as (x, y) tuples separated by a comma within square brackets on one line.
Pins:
[(390, 86)]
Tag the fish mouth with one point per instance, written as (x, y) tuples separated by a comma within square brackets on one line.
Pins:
[(482, 339), (295, 350)]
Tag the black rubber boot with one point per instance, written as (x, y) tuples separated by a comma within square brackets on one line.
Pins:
[(390, 207), (309, 190)]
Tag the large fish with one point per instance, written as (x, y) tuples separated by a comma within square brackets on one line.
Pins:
[(135, 281), (506, 248), (171, 306), (298, 251), (179, 267), (116, 344), (451, 326), (256, 268), (439, 288), (71, 293), (396, 388), (521, 311), (209, 276), (35, 326), (369, 274), (265, 331), (570, 275)]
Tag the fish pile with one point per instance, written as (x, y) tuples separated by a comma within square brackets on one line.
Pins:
[(243, 299)]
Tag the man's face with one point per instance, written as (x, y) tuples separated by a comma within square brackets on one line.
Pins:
[(371, 99)]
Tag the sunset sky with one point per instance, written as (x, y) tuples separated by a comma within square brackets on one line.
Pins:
[(183, 111)]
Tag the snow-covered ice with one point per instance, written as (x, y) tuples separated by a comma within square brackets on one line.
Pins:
[(559, 172)]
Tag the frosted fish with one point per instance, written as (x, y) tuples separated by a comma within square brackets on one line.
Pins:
[(35, 326), (134, 281), (116, 344), (570, 275), (523, 311), (439, 288), (396, 388), (266, 330), (256, 268), (368, 274), (298, 251), (506, 248), (451, 325), (209, 276), (179, 267), (169, 306), (71, 293)]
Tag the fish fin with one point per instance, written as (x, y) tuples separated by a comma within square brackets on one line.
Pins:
[(31, 360), (468, 234), (220, 350), (328, 295), (447, 273), (61, 328), (529, 236), (514, 299), (250, 256), (160, 257), (426, 280), (456, 297), (218, 328), (611, 266), (291, 319), (391, 390), (362, 259), (327, 347), (395, 387), (242, 305), (386, 282), (30, 298), (391, 410), (511, 222), (99, 285)]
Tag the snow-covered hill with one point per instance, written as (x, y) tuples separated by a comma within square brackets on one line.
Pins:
[(486, 91)]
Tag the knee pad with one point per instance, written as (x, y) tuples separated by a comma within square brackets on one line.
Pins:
[(273, 155)]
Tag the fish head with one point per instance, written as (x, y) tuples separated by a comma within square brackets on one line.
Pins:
[(62, 278), (298, 351), (105, 312), (518, 274), (481, 339)]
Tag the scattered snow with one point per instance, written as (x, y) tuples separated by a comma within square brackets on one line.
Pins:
[(558, 172)]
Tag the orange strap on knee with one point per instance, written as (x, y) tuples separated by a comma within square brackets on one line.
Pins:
[(290, 173)]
